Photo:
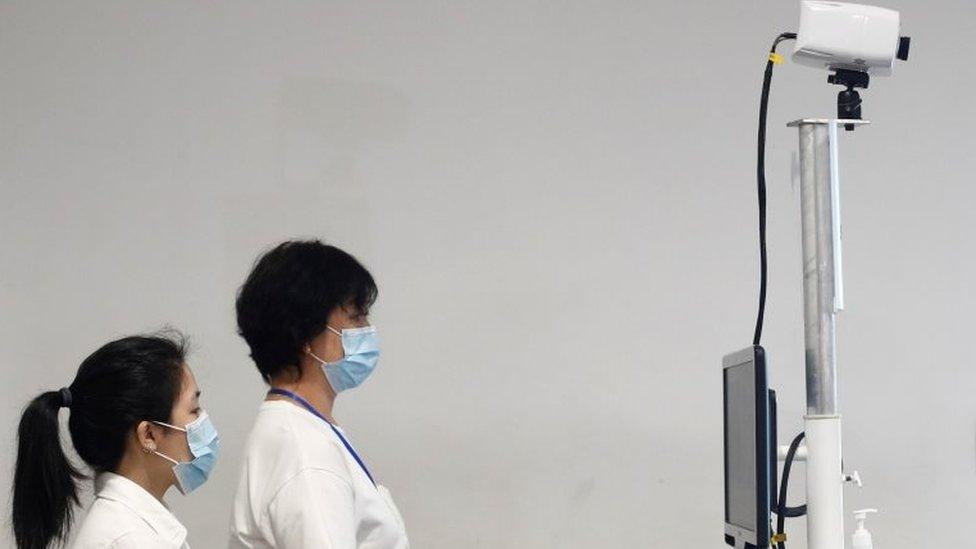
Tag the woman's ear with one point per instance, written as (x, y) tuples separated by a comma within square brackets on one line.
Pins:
[(146, 436)]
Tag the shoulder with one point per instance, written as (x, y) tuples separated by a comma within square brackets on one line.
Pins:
[(314, 482), (288, 440), (110, 523)]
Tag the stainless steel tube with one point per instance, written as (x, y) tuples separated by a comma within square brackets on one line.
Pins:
[(818, 267)]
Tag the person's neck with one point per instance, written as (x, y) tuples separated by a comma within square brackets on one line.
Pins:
[(137, 473), (312, 386)]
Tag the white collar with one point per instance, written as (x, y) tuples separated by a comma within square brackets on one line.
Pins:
[(153, 512)]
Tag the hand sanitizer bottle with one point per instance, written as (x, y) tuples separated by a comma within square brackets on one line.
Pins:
[(862, 538)]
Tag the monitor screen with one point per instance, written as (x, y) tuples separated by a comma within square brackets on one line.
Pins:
[(747, 448), (740, 411)]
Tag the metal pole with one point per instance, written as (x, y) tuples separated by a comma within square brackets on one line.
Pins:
[(818, 268), (820, 213)]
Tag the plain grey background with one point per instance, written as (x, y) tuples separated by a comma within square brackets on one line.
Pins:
[(558, 202)]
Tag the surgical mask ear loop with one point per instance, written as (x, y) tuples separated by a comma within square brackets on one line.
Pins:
[(164, 456), (184, 430), (181, 429), (308, 349), (316, 357)]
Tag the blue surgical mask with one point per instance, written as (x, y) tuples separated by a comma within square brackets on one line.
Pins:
[(201, 435), (361, 349)]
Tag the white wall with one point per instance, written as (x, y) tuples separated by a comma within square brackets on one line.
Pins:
[(558, 201)]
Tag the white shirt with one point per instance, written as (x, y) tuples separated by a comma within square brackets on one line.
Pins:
[(126, 516), (301, 489)]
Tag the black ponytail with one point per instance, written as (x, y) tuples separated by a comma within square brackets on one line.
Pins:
[(122, 383), (44, 482)]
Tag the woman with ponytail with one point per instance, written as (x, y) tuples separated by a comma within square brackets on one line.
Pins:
[(134, 418)]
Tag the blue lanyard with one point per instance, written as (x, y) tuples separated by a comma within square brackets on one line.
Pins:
[(308, 406)]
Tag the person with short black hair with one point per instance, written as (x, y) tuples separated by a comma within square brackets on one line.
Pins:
[(303, 312), (135, 419)]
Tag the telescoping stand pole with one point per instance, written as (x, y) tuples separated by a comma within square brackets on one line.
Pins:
[(822, 300)]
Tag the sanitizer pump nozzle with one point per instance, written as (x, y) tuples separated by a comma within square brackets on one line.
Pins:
[(862, 538)]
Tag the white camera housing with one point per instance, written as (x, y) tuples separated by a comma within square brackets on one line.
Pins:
[(836, 35)]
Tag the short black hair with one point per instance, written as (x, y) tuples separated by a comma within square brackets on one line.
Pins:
[(286, 300)]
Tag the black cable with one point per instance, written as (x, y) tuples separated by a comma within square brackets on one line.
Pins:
[(782, 511), (761, 184)]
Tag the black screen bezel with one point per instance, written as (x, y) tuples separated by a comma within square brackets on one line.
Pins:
[(757, 356)]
